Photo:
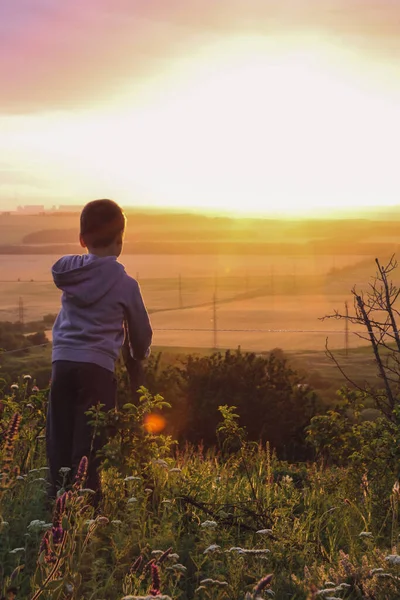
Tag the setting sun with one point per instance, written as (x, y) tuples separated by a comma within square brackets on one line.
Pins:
[(284, 127)]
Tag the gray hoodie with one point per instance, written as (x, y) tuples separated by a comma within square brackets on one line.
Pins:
[(98, 295)]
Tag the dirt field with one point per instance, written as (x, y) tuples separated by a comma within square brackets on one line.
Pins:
[(253, 293)]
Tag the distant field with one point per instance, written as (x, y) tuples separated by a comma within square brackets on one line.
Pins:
[(252, 293)]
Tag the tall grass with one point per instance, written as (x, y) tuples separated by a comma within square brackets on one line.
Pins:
[(186, 523)]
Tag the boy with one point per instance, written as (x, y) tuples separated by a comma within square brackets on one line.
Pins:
[(98, 297)]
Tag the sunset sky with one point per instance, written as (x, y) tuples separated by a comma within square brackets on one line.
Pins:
[(245, 106)]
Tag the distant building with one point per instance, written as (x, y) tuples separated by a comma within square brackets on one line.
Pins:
[(30, 209), (74, 208)]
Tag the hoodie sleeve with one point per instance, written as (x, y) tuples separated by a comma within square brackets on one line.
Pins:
[(139, 331)]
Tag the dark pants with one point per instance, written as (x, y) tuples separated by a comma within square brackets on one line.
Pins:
[(76, 387)]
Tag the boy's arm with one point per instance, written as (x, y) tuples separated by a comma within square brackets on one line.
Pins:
[(139, 332)]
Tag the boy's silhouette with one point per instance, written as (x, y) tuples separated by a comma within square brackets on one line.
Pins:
[(98, 298)]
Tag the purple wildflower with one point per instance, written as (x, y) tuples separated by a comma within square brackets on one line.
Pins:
[(155, 581), (262, 584), (58, 534), (164, 556), (81, 473), (136, 565)]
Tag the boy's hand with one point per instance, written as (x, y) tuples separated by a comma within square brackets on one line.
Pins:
[(134, 368)]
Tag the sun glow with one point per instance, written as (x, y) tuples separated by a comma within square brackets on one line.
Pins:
[(252, 131)]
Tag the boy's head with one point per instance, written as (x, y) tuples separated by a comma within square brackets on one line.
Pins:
[(102, 228)]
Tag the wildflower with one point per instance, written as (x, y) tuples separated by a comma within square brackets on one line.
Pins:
[(155, 581), (35, 388), (148, 490), (58, 535), (175, 470), (264, 531), (81, 473), (164, 555), (375, 571), (14, 386), (65, 470), (209, 524), (177, 567), (37, 525), (17, 551), (365, 534), (27, 377), (216, 582), (173, 556), (166, 501), (211, 548), (161, 463), (262, 584), (86, 491), (49, 556), (102, 520), (393, 559), (132, 478), (116, 522), (132, 500), (136, 565), (89, 522), (8, 447)]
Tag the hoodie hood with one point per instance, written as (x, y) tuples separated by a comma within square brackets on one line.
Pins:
[(86, 278)]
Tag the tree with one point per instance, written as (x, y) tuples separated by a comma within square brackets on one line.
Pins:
[(375, 311)]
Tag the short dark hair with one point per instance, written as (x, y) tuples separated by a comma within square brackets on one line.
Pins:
[(101, 222)]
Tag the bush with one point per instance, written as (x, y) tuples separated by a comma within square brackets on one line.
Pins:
[(273, 403)]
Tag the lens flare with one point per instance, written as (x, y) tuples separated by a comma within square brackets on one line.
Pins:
[(154, 423)]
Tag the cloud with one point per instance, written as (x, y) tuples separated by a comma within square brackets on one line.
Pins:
[(64, 55)]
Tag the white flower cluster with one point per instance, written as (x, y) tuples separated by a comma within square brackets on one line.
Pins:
[(393, 559), (264, 531), (177, 567), (209, 524), (365, 534), (38, 526), (249, 551), (212, 548), (161, 463), (205, 583), (328, 593)]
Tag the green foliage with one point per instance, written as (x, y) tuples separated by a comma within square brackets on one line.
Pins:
[(271, 400), (132, 445)]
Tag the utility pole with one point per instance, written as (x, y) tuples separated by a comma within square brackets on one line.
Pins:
[(21, 310), (346, 330), (215, 325), (215, 283), (180, 291)]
